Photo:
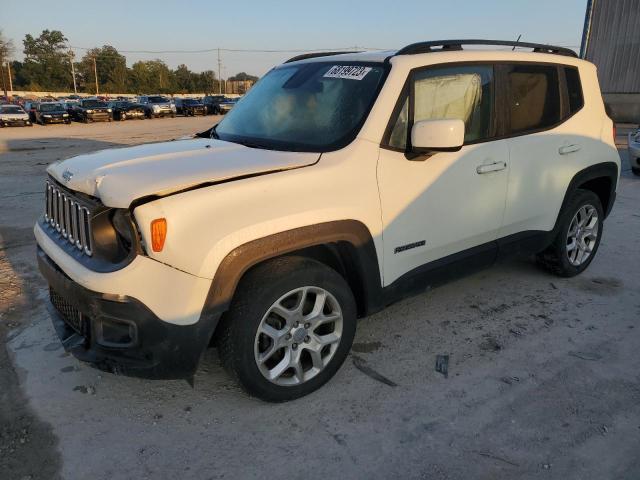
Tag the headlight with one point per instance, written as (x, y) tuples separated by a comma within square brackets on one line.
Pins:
[(109, 110), (89, 111), (46, 116), (156, 107), (65, 114), (173, 107)]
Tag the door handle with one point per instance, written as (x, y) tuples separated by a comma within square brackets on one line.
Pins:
[(491, 167), (566, 149)]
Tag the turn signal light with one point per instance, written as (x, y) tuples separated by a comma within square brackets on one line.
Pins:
[(158, 234)]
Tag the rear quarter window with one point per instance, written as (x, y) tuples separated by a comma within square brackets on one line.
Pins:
[(574, 89)]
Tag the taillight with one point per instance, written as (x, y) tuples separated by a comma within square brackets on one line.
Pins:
[(158, 234)]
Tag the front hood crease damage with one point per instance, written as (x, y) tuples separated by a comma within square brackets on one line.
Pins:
[(119, 176)]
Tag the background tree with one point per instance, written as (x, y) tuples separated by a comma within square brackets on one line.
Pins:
[(152, 76), (111, 67), (206, 82), (185, 79), (6, 50), (243, 76), (46, 62)]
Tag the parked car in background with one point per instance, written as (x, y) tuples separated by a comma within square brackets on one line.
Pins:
[(227, 105), (212, 103), (634, 151), (70, 104), (13, 116), (190, 107), (51, 112), (91, 110), (157, 106), (125, 110), (30, 107)]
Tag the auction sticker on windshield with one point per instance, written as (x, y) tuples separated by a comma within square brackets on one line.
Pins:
[(349, 72)]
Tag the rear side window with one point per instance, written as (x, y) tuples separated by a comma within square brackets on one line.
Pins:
[(534, 97), (574, 89)]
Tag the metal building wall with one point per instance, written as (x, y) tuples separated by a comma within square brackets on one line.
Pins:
[(613, 44)]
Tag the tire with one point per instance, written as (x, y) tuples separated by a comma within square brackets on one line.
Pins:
[(558, 258), (271, 284), (636, 170)]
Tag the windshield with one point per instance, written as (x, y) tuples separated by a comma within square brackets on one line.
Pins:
[(158, 100), (11, 110), (316, 106), (93, 104), (50, 107), (190, 101)]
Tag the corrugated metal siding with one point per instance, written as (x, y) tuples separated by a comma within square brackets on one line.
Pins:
[(614, 44)]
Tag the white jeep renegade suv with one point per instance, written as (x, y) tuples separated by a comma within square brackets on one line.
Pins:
[(339, 184)]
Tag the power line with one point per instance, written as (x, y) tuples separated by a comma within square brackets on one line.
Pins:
[(238, 50)]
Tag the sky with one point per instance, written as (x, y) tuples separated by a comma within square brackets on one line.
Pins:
[(162, 25)]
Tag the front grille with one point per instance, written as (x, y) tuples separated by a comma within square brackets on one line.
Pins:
[(69, 218), (70, 314)]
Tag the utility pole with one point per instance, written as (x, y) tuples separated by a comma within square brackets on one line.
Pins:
[(73, 72), (219, 77), (10, 80), (95, 73), (4, 81)]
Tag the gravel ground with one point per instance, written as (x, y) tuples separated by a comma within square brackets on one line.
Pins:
[(543, 377)]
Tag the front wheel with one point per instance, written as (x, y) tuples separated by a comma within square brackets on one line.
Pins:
[(578, 238), (289, 329)]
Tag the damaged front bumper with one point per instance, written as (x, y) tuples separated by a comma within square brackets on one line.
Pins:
[(118, 333)]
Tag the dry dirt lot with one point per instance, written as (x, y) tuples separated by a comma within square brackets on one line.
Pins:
[(544, 377)]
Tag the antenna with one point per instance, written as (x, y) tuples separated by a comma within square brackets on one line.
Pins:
[(517, 40)]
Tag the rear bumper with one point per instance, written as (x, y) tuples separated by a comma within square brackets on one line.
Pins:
[(118, 333)]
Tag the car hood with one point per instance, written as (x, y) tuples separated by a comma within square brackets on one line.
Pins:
[(121, 175)]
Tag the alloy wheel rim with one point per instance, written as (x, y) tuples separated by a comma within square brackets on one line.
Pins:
[(298, 336), (582, 235)]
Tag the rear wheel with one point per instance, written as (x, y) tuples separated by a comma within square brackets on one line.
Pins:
[(289, 329), (579, 236)]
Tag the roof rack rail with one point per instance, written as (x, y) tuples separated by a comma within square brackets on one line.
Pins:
[(304, 56), (444, 45)]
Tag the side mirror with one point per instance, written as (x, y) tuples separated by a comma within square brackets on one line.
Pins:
[(428, 136)]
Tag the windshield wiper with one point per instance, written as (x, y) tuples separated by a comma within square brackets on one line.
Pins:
[(251, 144)]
